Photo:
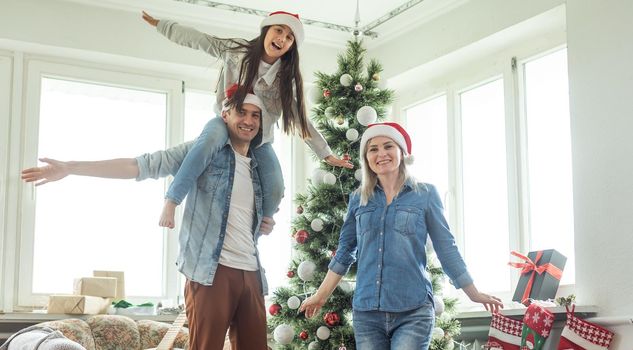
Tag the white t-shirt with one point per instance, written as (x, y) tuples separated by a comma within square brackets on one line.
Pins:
[(239, 249)]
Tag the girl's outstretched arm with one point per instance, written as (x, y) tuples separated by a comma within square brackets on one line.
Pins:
[(120, 168)]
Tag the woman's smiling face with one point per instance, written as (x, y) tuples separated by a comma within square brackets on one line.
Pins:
[(383, 155)]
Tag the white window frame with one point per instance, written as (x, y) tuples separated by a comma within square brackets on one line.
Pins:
[(6, 68), (35, 69), (466, 77)]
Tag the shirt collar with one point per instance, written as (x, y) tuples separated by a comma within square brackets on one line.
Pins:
[(271, 74)]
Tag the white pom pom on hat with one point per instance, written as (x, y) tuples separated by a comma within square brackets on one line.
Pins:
[(286, 18), (393, 131)]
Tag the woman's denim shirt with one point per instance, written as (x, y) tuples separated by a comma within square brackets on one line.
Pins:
[(206, 209), (389, 243)]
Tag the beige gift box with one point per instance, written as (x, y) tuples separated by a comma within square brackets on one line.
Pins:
[(96, 286), (77, 304), (120, 281)]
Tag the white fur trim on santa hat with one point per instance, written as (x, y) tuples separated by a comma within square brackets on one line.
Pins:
[(393, 131), (286, 18), (249, 98)]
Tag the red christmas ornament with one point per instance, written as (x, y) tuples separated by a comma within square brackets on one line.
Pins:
[(331, 319), (274, 309), (346, 157), (302, 236), (303, 335), (333, 253), (326, 93), (299, 210), (290, 274)]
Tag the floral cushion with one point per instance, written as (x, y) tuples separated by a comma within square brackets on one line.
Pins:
[(152, 333), (74, 329), (115, 332)]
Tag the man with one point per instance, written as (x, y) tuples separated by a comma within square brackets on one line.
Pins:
[(220, 227)]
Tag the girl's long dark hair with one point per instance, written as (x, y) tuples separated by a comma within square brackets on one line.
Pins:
[(288, 72)]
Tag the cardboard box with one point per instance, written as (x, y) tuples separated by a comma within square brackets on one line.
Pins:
[(540, 275), (104, 287), (120, 281), (77, 304)]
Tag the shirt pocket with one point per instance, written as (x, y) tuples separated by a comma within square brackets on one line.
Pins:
[(210, 179), (363, 219), (407, 219)]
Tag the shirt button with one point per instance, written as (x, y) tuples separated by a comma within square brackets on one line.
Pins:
[(378, 265), (381, 233), (380, 249), (377, 282)]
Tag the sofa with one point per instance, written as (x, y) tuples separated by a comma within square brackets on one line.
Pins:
[(115, 332)]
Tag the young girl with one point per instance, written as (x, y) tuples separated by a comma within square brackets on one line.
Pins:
[(268, 65)]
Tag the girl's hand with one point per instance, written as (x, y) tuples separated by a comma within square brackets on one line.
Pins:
[(55, 170), (149, 19), (334, 161), (312, 305)]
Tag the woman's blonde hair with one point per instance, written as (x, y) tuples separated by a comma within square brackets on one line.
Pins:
[(370, 179)]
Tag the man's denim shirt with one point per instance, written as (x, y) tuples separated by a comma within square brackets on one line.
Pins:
[(389, 241), (206, 209)]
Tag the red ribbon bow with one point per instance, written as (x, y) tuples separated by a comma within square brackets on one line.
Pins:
[(532, 266)]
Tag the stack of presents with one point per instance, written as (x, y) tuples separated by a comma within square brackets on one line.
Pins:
[(91, 295), (540, 276)]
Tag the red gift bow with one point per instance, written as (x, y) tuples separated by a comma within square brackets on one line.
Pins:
[(531, 266)]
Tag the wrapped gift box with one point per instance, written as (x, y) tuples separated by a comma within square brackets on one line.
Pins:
[(96, 286), (540, 275), (120, 281), (77, 304)]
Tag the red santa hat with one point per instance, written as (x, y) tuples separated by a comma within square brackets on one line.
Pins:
[(286, 18), (249, 98), (393, 131)]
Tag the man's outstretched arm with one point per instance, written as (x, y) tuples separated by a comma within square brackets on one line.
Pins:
[(120, 168)]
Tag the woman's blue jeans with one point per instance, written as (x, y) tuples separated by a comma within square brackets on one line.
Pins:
[(408, 330), (213, 137)]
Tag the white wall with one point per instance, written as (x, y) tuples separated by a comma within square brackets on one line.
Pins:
[(600, 53)]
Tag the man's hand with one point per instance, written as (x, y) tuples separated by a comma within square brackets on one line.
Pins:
[(267, 225), (55, 170), (149, 19)]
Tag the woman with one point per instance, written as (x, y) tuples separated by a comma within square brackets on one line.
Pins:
[(388, 221)]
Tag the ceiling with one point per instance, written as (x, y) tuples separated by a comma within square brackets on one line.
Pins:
[(327, 22)]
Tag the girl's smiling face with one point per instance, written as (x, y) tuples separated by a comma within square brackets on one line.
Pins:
[(383, 155), (278, 40)]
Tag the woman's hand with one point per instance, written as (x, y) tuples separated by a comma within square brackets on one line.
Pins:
[(149, 19), (491, 303), (334, 161), (312, 305)]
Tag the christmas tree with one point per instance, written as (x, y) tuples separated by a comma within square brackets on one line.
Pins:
[(345, 103)]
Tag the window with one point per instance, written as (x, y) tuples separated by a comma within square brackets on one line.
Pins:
[(83, 224), (510, 175), (548, 138)]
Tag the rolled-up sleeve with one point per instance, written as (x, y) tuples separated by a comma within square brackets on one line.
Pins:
[(161, 163), (444, 241), (347, 245)]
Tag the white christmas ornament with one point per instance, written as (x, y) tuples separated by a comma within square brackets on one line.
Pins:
[(450, 345), (345, 286), (317, 225), (314, 94), (439, 305), (329, 112), (314, 345), (294, 302), (323, 333), (358, 175), (346, 79), (438, 333), (305, 270), (329, 178), (352, 134), (317, 176), (283, 334), (366, 115)]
